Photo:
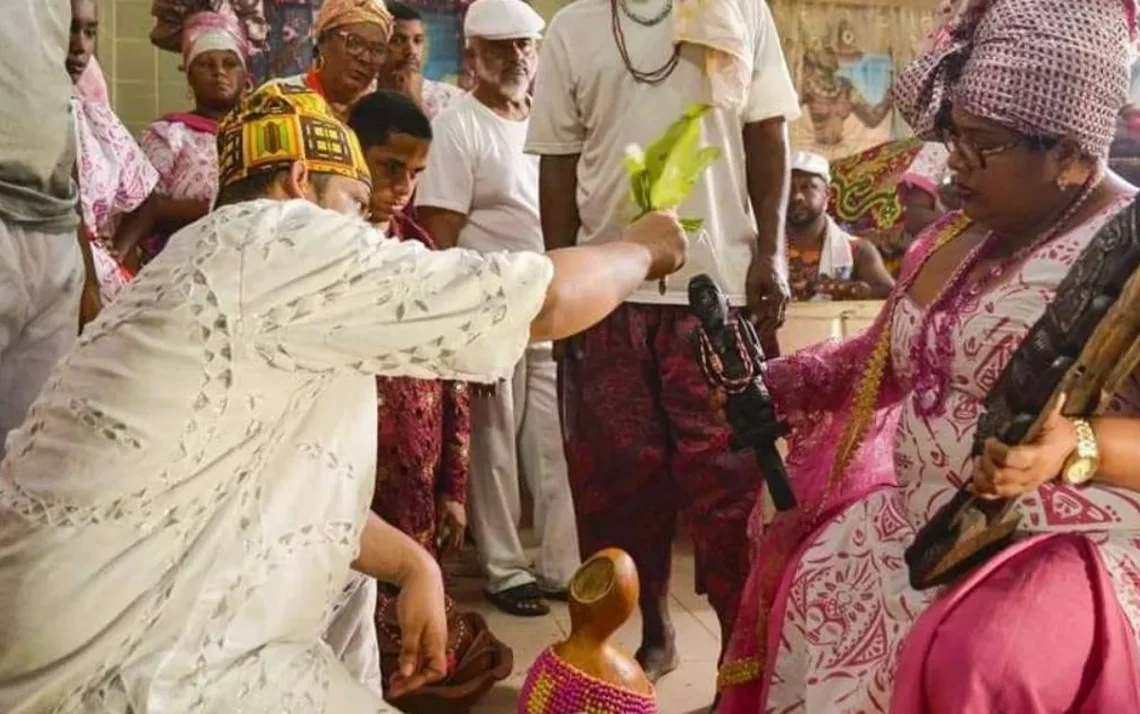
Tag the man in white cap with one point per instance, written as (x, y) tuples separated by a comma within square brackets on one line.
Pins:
[(480, 191), (824, 262)]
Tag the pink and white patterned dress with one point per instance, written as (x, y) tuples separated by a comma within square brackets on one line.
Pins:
[(183, 149), (849, 605), (115, 178)]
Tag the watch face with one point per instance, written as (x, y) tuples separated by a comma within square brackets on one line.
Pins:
[(1079, 472)]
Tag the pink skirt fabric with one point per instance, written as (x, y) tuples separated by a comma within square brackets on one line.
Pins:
[(1037, 630)]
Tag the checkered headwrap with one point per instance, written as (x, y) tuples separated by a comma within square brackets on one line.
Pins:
[(1044, 68), (280, 124)]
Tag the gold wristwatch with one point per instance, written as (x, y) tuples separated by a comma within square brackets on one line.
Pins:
[(1082, 464)]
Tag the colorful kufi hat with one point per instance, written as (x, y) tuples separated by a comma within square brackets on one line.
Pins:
[(278, 125)]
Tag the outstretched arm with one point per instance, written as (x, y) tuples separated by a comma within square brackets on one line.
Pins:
[(590, 282), (346, 298)]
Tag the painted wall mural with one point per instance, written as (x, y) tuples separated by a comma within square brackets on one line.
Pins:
[(843, 57)]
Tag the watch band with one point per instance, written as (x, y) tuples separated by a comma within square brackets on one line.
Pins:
[(1082, 464)]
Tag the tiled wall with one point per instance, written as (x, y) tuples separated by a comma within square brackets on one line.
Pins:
[(145, 82)]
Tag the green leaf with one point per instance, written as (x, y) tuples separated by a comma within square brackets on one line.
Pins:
[(664, 174), (692, 225), (640, 192)]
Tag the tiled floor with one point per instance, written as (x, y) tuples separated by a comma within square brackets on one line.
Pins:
[(688, 690)]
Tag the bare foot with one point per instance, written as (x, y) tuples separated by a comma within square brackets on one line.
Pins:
[(658, 660)]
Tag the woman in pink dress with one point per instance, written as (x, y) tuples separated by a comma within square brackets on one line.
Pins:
[(182, 147), (1025, 93), (115, 179)]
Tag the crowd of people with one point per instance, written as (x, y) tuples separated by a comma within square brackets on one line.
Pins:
[(264, 368)]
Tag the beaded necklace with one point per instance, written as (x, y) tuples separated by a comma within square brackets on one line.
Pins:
[(941, 317), (651, 77)]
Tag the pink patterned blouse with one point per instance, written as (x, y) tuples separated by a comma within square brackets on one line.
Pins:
[(183, 149), (115, 178)]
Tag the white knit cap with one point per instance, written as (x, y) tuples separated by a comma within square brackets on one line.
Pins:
[(211, 40), (502, 20), (809, 163)]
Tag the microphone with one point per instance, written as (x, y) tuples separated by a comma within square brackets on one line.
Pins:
[(732, 359)]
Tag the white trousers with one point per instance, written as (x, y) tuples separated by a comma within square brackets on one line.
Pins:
[(41, 280), (518, 429)]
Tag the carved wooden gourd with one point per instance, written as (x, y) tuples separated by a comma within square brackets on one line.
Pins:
[(586, 672)]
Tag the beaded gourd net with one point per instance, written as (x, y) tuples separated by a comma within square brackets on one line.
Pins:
[(554, 687)]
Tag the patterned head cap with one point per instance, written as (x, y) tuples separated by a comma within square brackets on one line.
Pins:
[(279, 124), (1044, 68)]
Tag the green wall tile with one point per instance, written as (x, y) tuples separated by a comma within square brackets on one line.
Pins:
[(173, 97), (135, 61), (169, 65), (132, 19), (137, 102)]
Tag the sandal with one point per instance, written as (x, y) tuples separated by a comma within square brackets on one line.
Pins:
[(520, 601), (562, 595)]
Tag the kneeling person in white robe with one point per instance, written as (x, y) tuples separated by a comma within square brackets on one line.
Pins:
[(184, 514)]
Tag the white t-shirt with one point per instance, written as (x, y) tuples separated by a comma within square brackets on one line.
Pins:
[(587, 103), (477, 167), (37, 137)]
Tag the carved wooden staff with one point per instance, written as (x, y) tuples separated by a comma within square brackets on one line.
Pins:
[(1083, 349), (733, 360)]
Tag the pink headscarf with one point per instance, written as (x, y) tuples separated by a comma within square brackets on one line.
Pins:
[(208, 31), (1045, 68), (172, 18)]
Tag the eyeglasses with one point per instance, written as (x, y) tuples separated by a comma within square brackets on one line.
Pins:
[(360, 48), (974, 156)]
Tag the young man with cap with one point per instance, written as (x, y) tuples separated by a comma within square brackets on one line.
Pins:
[(480, 191), (619, 72), (185, 548), (824, 262)]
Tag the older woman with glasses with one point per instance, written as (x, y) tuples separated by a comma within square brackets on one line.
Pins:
[(352, 38), (1025, 93)]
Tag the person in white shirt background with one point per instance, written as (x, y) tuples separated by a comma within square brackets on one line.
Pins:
[(41, 265), (644, 431), (480, 191)]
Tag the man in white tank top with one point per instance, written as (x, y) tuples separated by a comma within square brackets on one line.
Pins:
[(480, 191)]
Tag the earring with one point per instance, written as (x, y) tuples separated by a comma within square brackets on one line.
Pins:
[(1072, 175)]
